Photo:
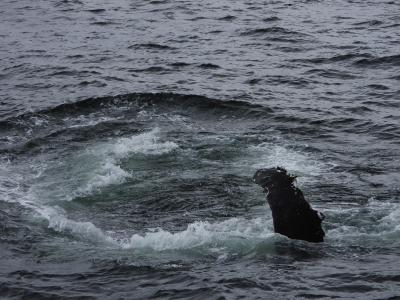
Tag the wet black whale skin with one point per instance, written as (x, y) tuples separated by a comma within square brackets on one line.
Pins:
[(292, 214)]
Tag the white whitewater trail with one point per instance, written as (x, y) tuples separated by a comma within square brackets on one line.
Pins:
[(200, 233), (216, 235), (105, 169), (92, 169), (98, 167)]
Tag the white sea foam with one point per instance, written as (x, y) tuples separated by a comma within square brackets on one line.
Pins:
[(12, 190), (88, 171), (107, 156), (86, 231), (270, 155), (214, 236), (47, 181), (201, 233), (107, 173), (375, 221), (231, 233), (146, 143), (55, 216), (393, 219), (228, 235)]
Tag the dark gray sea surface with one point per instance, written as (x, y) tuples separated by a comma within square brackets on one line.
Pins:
[(130, 132)]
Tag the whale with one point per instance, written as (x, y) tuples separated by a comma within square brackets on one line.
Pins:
[(292, 215)]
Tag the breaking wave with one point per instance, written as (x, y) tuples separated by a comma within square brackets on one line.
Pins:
[(227, 235), (235, 230)]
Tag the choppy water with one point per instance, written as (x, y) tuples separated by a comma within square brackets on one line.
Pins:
[(130, 131)]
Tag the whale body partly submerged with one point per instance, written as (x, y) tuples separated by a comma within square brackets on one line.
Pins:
[(292, 214)]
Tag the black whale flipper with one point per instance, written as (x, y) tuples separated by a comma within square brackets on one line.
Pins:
[(292, 214)]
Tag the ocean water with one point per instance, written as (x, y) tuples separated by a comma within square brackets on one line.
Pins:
[(130, 132)]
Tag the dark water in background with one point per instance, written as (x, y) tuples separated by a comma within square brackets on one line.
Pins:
[(136, 190)]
